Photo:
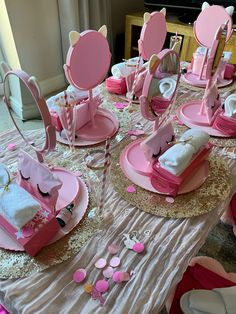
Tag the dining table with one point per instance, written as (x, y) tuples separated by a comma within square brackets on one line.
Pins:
[(45, 284)]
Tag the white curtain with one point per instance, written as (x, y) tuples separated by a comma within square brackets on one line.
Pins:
[(80, 15)]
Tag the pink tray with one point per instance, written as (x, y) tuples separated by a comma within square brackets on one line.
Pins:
[(193, 79), (188, 114), (106, 126), (6, 242), (136, 169)]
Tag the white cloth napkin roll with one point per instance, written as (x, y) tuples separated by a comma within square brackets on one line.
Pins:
[(198, 138), (121, 70), (167, 87), (16, 204), (230, 106), (177, 158)]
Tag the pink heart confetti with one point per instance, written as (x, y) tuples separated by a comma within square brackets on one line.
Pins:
[(115, 261), (100, 263), (131, 189), (102, 286), (170, 200), (125, 276), (11, 146), (120, 105), (117, 277), (27, 231), (108, 272), (113, 248), (96, 295), (138, 247), (79, 275)]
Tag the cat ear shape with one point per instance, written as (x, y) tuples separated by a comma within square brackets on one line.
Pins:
[(152, 63), (230, 10), (146, 17), (205, 5), (34, 81), (103, 30), (163, 11), (74, 37)]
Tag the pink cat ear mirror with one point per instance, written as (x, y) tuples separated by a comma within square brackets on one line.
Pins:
[(207, 114), (87, 64), (152, 39), (205, 28), (53, 188)]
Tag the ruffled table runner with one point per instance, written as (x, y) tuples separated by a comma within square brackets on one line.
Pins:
[(170, 244)]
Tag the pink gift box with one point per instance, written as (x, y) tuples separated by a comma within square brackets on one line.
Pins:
[(36, 233)]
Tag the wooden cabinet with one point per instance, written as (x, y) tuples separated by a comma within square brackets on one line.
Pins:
[(133, 26)]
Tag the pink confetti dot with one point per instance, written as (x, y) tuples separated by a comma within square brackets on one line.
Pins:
[(131, 189), (79, 275), (102, 286), (100, 263), (120, 105), (125, 276), (170, 200), (11, 146), (116, 277), (138, 247), (27, 231), (113, 248), (108, 272), (136, 132), (115, 261)]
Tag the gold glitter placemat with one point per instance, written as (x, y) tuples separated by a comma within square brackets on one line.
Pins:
[(225, 89), (20, 264), (201, 201)]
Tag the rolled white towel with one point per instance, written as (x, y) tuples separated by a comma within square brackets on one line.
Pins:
[(17, 205), (230, 106), (167, 87), (121, 70), (177, 158), (196, 138)]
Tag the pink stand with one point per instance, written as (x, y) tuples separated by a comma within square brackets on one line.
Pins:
[(203, 113), (87, 63), (207, 21), (53, 188), (139, 158)]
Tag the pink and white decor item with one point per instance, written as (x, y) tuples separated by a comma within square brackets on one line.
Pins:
[(210, 19), (84, 122), (32, 223), (133, 71), (160, 163), (208, 114)]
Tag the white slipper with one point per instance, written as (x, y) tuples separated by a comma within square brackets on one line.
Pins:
[(216, 301)]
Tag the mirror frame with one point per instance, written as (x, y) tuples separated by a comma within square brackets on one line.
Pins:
[(33, 87), (146, 106)]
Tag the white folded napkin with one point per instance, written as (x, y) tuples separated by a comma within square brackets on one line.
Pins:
[(16, 204), (167, 87), (196, 138), (123, 69), (216, 301), (230, 106), (177, 158)]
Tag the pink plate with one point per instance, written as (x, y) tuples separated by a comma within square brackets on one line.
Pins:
[(106, 125), (6, 241), (189, 115), (193, 79), (194, 182)]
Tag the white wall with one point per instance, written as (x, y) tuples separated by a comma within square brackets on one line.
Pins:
[(36, 29)]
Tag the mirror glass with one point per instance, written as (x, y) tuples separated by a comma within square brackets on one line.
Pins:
[(163, 84), (20, 98)]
